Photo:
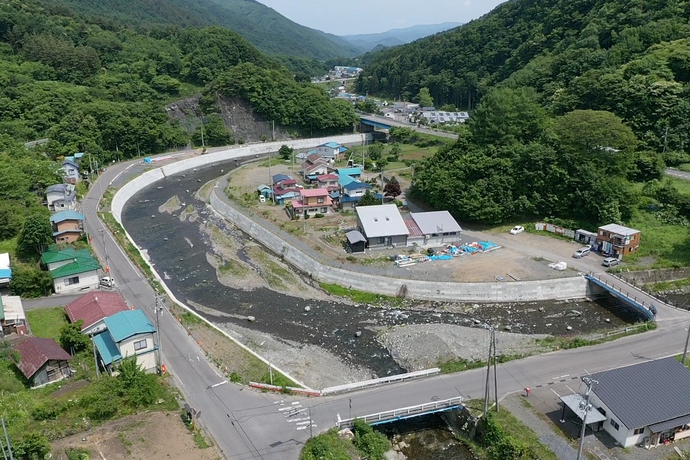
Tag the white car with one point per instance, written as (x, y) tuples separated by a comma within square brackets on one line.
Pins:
[(517, 229), (107, 281), (262, 198)]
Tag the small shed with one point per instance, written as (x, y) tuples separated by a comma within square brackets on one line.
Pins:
[(12, 316), (355, 241), (585, 237), (42, 361)]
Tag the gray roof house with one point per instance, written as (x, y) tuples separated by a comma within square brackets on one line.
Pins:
[(61, 197), (438, 227), (382, 226), (644, 404)]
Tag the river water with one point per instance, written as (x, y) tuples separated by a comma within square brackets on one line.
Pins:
[(178, 251)]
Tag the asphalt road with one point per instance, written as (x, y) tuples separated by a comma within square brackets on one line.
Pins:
[(251, 425), (679, 174), (391, 122)]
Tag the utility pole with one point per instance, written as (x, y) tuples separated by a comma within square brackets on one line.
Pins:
[(7, 440), (311, 433), (95, 358), (493, 340), (665, 140), (273, 130), (492, 357), (158, 329), (105, 249), (685, 350), (586, 407)]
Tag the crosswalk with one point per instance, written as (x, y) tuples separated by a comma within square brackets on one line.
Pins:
[(296, 414)]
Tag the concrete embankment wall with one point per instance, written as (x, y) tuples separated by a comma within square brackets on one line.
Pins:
[(519, 291)]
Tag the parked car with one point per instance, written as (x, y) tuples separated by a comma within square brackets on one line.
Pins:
[(610, 262), (107, 281), (581, 253), (517, 229), (262, 198)]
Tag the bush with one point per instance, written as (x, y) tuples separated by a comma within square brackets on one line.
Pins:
[(77, 453), (370, 444), (31, 446), (318, 215)]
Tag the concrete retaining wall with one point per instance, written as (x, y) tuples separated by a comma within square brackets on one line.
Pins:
[(520, 291)]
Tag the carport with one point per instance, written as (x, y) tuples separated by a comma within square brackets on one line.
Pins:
[(576, 403)]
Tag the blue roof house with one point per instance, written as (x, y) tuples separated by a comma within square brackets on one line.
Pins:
[(128, 333), (352, 192), (352, 172), (70, 171), (331, 150)]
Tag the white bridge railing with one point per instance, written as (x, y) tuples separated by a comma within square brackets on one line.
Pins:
[(402, 413), (381, 381)]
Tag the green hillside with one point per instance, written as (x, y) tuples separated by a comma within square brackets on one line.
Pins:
[(628, 57), (263, 27)]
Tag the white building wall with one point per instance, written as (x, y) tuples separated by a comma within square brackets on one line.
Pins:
[(623, 433), (88, 280), (146, 357)]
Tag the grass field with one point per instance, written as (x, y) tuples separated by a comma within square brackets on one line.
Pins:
[(47, 322)]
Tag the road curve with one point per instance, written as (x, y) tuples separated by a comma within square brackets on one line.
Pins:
[(249, 425)]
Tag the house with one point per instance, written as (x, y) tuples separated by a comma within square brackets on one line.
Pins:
[(351, 193), (128, 333), (5, 269), (327, 181), (12, 317), (61, 197), (70, 171), (331, 151), (617, 241), (644, 404), (92, 308), (67, 226), (264, 190), (42, 361), (278, 178), (382, 226), (286, 189), (356, 242), (71, 270), (314, 165), (438, 227), (352, 172), (312, 201)]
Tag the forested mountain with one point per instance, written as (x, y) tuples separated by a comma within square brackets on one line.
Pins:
[(260, 25), (94, 86), (572, 102), (394, 37)]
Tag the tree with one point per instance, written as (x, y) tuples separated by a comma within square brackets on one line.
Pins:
[(32, 446), (370, 444), (285, 152), (587, 131), (368, 199), (375, 151), (28, 281), (392, 188), (139, 388), (72, 339), (395, 151), (424, 98), (35, 236)]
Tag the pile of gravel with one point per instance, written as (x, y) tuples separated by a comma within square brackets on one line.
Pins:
[(421, 346)]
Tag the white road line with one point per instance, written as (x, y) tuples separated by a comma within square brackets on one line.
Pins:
[(219, 384)]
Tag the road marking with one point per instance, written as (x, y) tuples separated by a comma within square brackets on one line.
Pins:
[(281, 409), (219, 384)]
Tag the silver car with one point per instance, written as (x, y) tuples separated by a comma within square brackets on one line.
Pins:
[(610, 262), (581, 253)]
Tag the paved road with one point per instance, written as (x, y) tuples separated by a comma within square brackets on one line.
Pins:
[(251, 425), (677, 173), (49, 302), (391, 122), (245, 424)]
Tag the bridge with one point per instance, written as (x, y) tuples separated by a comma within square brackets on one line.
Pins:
[(377, 122), (638, 300), (404, 413)]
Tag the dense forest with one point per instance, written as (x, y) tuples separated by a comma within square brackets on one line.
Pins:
[(260, 25), (572, 104), (94, 86)]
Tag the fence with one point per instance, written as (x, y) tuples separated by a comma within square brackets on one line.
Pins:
[(380, 381), (404, 412), (544, 227)]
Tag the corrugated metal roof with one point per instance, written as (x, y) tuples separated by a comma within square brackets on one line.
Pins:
[(34, 352), (106, 348), (11, 307), (381, 220), (354, 185), (413, 228), (353, 237), (436, 222), (619, 229), (94, 306), (66, 215), (668, 424), (647, 393), (125, 324), (349, 171), (53, 256), (76, 267)]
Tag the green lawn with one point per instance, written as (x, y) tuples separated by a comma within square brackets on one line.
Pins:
[(9, 246), (47, 322), (668, 244)]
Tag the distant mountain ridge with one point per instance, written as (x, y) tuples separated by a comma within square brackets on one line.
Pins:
[(396, 37), (260, 25)]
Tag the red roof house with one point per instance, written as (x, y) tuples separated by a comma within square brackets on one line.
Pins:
[(313, 201), (93, 308), (42, 360)]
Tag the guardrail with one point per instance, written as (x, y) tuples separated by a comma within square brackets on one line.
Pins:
[(380, 381), (647, 308), (403, 412)]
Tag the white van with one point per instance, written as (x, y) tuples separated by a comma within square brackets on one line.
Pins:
[(581, 253), (107, 281)]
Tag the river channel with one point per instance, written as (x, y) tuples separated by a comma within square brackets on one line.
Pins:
[(178, 251)]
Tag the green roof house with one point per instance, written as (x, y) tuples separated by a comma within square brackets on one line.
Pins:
[(72, 270)]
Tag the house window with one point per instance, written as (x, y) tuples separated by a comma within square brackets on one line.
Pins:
[(320, 200), (380, 240), (70, 281), (639, 431), (324, 210), (139, 345), (615, 424)]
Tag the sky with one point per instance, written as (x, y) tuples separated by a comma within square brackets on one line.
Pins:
[(350, 17)]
